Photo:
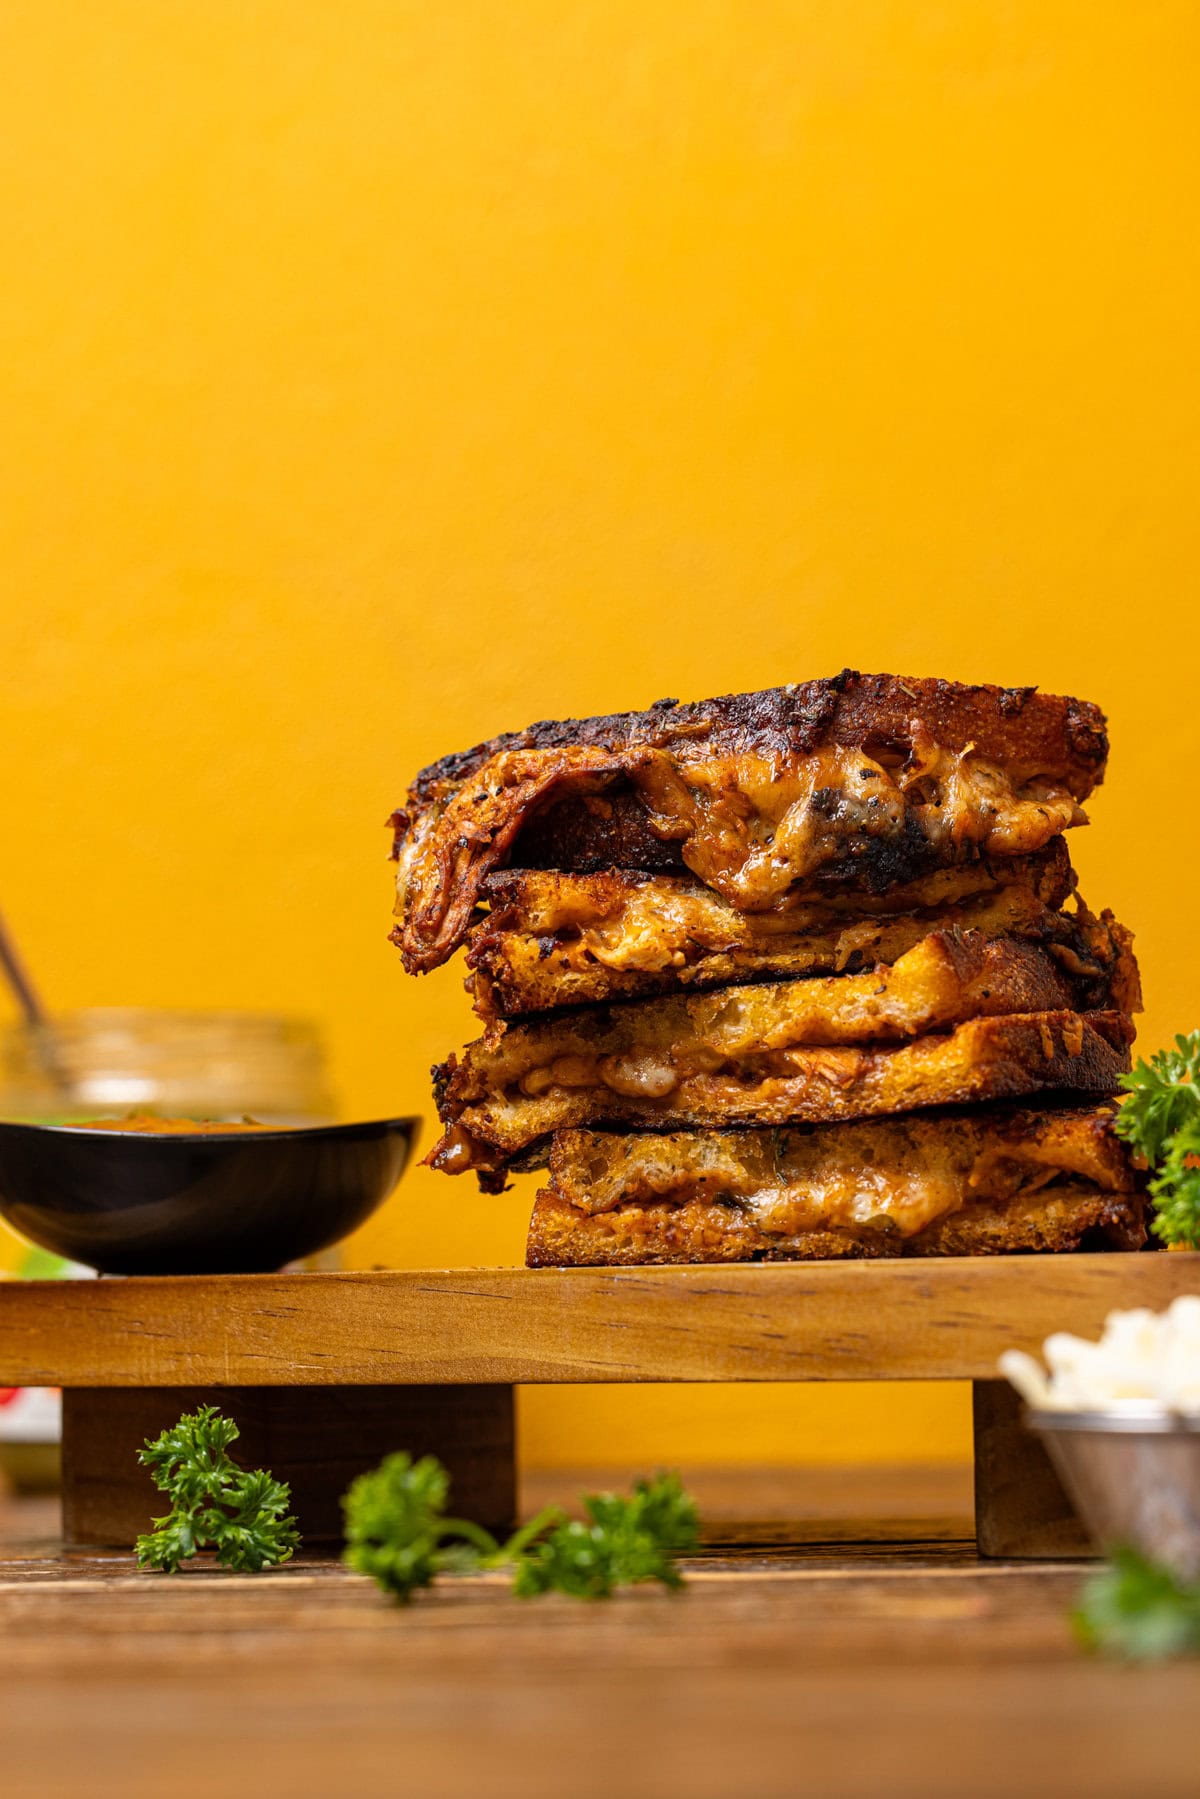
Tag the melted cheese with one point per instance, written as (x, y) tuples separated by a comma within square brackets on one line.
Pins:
[(902, 1173), (752, 828), (645, 1051)]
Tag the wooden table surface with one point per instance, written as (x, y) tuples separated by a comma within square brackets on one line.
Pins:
[(807, 1656)]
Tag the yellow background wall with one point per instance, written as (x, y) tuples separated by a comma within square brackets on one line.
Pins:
[(378, 376)]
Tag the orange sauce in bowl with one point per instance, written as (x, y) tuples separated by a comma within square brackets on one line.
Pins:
[(148, 1125)]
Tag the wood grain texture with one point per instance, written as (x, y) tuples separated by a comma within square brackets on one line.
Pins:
[(872, 1670), (894, 1320), (1021, 1509), (317, 1441)]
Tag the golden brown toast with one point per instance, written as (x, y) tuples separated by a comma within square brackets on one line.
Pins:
[(647, 1047), (895, 1174), (860, 782), (985, 1058), (554, 939), (971, 1183), (1055, 1218)]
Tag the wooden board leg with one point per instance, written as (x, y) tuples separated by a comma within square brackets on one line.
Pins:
[(315, 1438), (1021, 1510)]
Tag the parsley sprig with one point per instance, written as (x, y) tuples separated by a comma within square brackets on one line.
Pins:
[(1160, 1120), (621, 1542), (215, 1504), (397, 1532), (1139, 1610)]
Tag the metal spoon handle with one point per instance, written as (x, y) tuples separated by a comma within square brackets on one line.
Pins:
[(18, 980)]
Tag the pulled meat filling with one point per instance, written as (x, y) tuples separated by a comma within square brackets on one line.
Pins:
[(754, 827)]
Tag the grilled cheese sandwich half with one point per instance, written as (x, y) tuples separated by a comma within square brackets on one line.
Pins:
[(553, 939), (985, 1181), (499, 1105)]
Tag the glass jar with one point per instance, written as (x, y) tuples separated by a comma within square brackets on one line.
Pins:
[(109, 1061)]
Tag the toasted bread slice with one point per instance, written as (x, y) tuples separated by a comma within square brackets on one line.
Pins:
[(647, 1047), (1058, 737), (1060, 1217), (554, 940), (983, 1059), (891, 1174), (859, 782)]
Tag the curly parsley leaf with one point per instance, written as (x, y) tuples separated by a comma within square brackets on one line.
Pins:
[(1175, 1188), (1164, 1095), (396, 1526), (1160, 1120), (1139, 1610), (622, 1542), (398, 1534), (215, 1504)]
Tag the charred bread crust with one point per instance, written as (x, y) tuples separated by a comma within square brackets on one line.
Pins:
[(1056, 1219), (1055, 736)]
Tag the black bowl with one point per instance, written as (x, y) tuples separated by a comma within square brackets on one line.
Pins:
[(242, 1202)]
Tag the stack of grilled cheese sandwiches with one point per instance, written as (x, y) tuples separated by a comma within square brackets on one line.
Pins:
[(801, 973)]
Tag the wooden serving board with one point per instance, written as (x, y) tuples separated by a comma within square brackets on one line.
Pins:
[(327, 1372), (883, 1320)]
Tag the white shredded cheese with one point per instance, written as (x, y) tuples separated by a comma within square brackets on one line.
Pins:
[(1142, 1356)]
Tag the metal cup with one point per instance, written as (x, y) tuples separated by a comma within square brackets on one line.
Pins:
[(1134, 1477)]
